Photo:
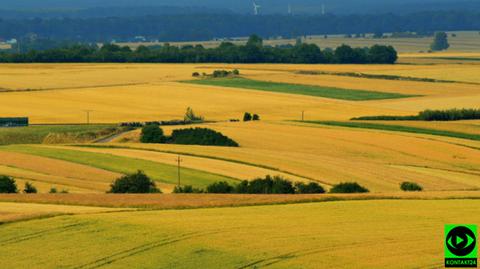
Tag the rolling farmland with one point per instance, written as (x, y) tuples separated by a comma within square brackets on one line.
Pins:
[(87, 228), (289, 236)]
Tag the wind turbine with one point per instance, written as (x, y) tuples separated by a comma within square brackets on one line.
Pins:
[(256, 8)]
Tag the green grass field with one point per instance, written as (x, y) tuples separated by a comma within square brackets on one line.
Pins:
[(36, 134), (398, 128), (158, 171), (346, 234), (328, 92)]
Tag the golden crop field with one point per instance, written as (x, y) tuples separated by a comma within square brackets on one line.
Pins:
[(347, 234)]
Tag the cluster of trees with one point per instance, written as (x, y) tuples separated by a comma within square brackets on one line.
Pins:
[(267, 185), (433, 115), (152, 133), (450, 114), (185, 27), (253, 52), (273, 185)]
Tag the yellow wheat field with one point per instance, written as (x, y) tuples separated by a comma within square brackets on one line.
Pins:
[(136, 92), (10, 212), (348, 234), (379, 160)]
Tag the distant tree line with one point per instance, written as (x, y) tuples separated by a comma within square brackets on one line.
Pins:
[(433, 115), (185, 27), (253, 52)]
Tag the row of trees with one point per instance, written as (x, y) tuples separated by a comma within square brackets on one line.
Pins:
[(433, 115), (185, 27), (253, 52)]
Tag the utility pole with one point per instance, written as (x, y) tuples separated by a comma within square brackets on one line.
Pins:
[(88, 115), (178, 160)]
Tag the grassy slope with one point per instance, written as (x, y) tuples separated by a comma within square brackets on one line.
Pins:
[(318, 235), (158, 171), (36, 134), (328, 92), (399, 128)]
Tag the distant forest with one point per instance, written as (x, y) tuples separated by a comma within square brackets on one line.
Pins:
[(252, 52), (188, 27)]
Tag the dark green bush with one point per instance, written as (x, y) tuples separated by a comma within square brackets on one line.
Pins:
[(134, 183), (200, 136), (152, 133), (247, 116), (255, 117), (29, 188), (236, 72), (220, 187), (410, 186), (187, 189), (348, 187), (312, 187), (195, 74), (7, 185), (53, 190)]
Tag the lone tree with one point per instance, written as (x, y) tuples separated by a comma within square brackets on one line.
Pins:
[(7, 185), (29, 188), (440, 42), (134, 183)]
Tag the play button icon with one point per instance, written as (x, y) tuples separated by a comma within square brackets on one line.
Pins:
[(461, 241)]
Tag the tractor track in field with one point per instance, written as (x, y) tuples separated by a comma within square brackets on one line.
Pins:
[(141, 249), (43, 233)]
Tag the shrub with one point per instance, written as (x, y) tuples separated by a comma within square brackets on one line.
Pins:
[(348, 187), (247, 116), (220, 187), (195, 74), (7, 185), (187, 189), (134, 183), (440, 42), (53, 190), (255, 117), (29, 188), (152, 133), (410, 186), (312, 187), (236, 72), (200, 136)]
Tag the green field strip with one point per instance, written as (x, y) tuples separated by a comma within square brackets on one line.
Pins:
[(309, 90), (158, 171)]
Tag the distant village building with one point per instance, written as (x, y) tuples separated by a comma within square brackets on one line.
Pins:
[(14, 122)]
